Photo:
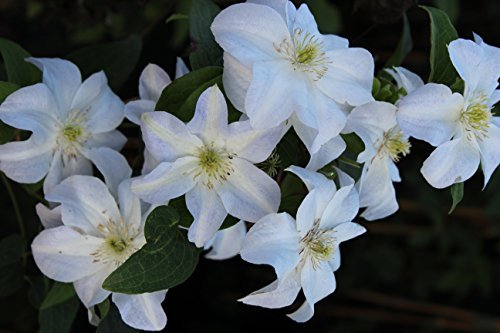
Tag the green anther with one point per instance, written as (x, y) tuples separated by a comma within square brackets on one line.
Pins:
[(72, 133), (307, 54), (118, 245), (210, 160), (322, 249)]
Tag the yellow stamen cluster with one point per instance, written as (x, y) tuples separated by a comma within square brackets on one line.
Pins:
[(72, 133), (476, 118), (305, 53), (395, 144), (215, 164), (118, 245), (318, 245)]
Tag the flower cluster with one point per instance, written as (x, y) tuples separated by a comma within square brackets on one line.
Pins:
[(281, 73)]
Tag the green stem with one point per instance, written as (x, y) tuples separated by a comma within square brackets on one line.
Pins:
[(12, 196)]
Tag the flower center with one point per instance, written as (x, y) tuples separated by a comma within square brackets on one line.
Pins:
[(395, 144), (72, 133), (476, 118), (215, 165), (305, 53), (318, 244)]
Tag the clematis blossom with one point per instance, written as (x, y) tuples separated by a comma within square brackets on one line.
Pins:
[(461, 126), (279, 68), (68, 119), (212, 163), (97, 233), (303, 251), (385, 143)]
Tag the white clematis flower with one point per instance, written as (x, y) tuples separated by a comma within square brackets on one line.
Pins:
[(152, 81), (227, 242), (97, 234), (375, 123), (304, 252), (68, 120), (212, 163), (279, 68), (462, 127)]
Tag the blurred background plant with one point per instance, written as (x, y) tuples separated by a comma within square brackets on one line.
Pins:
[(421, 270)]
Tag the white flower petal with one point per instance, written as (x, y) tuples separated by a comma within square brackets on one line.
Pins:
[(312, 179), (85, 204), (303, 313), (349, 77), (236, 79), (347, 231), (249, 193), (334, 42), (143, 311), (149, 162), (95, 101), (274, 241), (317, 281), (31, 108), (130, 207), (343, 207), (208, 213), (278, 294), (64, 166), (152, 81), (227, 243), (180, 68), (274, 94), (62, 77), (312, 207), (134, 110), (490, 152), (210, 117), (305, 21), (430, 113), (252, 144), (112, 165), (89, 288), (50, 218), (64, 254), (405, 79), (285, 8), (26, 161), (166, 137), (452, 162), (167, 181), (250, 32), (112, 139), (328, 152)]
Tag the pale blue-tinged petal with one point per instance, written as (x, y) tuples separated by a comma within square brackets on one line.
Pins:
[(249, 193), (112, 165), (152, 81), (250, 32), (285, 8), (112, 139), (167, 181), (278, 294), (312, 207), (328, 152), (317, 281), (210, 117), (274, 241), (89, 288), (180, 68), (335, 260), (349, 77), (304, 20), (344, 178), (49, 218), (149, 162), (94, 100), (376, 191), (494, 99), (227, 242), (254, 145), (26, 161), (347, 231), (64, 254), (430, 113), (334, 42), (452, 162), (134, 109), (85, 204), (405, 79), (236, 79), (130, 207), (303, 313), (274, 94), (490, 152), (64, 166), (208, 212), (343, 207), (143, 311), (63, 78), (167, 138), (31, 108), (312, 179)]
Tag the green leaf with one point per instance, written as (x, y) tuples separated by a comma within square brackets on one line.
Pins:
[(404, 46), (117, 59), (11, 271), (175, 17), (166, 260), (207, 51), (442, 33), (59, 318), (18, 70), (180, 97), (457, 194), (113, 323), (327, 14), (60, 293), (354, 143), (104, 308)]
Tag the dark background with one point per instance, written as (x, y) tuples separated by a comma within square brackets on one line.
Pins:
[(420, 270)]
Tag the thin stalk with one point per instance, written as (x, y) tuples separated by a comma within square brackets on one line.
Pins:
[(17, 212)]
